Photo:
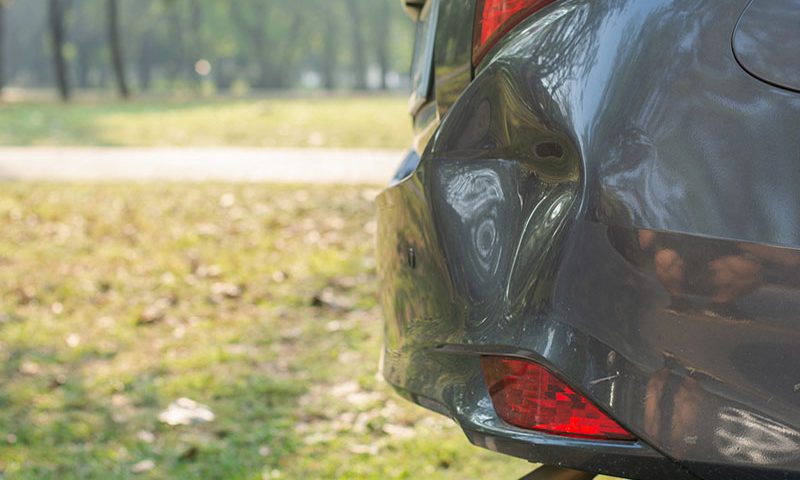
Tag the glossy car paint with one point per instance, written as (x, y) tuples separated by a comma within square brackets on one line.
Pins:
[(615, 197), (767, 41), (452, 59)]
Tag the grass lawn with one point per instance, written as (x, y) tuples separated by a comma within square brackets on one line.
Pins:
[(341, 122), (255, 300)]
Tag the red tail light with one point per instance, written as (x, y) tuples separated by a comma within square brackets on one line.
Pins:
[(494, 18), (528, 396)]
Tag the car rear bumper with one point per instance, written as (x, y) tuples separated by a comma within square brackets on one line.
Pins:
[(637, 235)]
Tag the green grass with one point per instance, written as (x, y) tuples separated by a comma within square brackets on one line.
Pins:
[(85, 371), (341, 122), (118, 299)]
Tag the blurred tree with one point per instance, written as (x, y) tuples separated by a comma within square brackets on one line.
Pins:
[(177, 68), (115, 42), (147, 40), (330, 46), (57, 42), (2, 43), (147, 43), (383, 27), (197, 45), (354, 8), (86, 39), (274, 33), (253, 27), (251, 44)]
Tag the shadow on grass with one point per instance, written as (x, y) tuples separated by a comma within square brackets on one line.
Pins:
[(255, 300)]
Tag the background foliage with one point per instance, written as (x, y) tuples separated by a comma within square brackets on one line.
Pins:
[(209, 46)]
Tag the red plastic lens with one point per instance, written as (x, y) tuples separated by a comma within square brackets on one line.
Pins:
[(528, 396), (494, 18)]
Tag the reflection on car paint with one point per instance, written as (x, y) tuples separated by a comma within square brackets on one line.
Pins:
[(475, 195), (747, 437)]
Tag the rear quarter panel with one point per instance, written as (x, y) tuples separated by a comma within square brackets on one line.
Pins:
[(596, 137)]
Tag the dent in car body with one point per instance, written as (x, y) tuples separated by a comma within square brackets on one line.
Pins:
[(614, 197)]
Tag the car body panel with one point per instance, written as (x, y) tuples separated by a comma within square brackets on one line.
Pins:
[(422, 64), (767, 42), (615, 197), (453, 55)]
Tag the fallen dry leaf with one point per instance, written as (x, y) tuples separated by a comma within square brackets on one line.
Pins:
[(226, 290), (73, 340), (364, 449), (144, 466), (185, 411), (327, 298), (30, 368), (227, 200), (208, 271), (155, 312), (145, 436), (399, 431)]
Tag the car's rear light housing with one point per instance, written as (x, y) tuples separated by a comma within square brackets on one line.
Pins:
[(494, 18), (527, 395)]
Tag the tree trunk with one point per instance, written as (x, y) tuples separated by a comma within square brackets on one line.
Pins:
[(82, 66), (384, 33), (255, 30), (198, 42), (359, 50), (115, 41), (288, 52), (2, 44), (145, 63), (330, 50), (178, 63), (264, 69), (57, 38), (84, 41)]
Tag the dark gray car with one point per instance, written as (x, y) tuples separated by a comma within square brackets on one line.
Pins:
[(591, 257)]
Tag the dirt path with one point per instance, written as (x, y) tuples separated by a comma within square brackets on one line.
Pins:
[(224, 164)]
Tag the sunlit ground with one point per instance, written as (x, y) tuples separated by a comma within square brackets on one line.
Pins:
[(257, 301), (327, 121)]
